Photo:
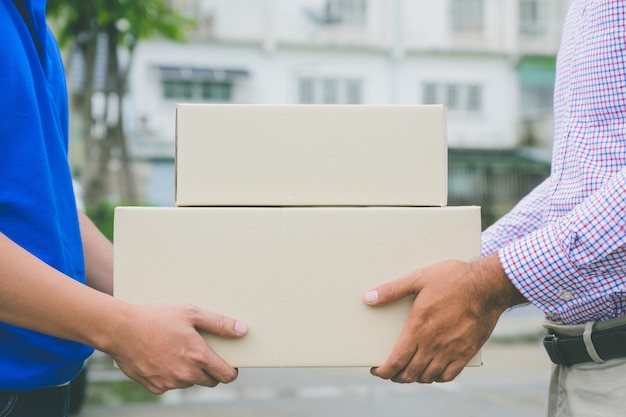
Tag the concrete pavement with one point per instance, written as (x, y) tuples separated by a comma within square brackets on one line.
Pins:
[(513, 382)]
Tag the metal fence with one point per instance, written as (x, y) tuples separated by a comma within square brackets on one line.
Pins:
[(494, 180)]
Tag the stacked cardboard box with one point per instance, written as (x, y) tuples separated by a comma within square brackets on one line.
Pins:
[(287, 215)]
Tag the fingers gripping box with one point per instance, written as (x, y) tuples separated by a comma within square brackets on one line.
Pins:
[(296, 276)]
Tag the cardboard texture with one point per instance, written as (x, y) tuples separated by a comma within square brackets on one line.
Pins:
[(296, 276), (310, 155)]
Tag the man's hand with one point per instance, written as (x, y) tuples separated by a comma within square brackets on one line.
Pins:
[(160, 347), (456, 307)]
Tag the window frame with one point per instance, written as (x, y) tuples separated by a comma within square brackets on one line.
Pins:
[(533, 18), (329, 90), (458, 97), (195, 90), (348, 12), (467, 16)]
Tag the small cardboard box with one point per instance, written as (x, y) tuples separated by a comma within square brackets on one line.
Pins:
[(310, 155), (296, 276)]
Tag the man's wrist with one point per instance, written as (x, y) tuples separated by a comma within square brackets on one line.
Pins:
[(503, 293), (106, 334)]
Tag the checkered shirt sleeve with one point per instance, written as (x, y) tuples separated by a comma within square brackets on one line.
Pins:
[(564, 246), (573, 268)]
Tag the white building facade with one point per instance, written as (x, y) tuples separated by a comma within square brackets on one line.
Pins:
[(491, 62)]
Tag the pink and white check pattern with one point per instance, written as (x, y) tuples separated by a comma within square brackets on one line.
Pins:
[(564, 245)]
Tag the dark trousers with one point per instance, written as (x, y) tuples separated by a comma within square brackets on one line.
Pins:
[(48, 402)]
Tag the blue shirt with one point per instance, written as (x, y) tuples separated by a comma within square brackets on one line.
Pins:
[(37, 205)]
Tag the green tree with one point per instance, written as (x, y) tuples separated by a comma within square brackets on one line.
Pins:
[(108, 28)]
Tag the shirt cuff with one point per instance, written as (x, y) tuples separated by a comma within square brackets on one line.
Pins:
[(538, 266)]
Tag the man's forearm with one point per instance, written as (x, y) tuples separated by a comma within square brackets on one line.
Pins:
[(158, 346), (98, 252), (35, 296)]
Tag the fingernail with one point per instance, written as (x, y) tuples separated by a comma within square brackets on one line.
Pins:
[(371, 297), (240, 328)]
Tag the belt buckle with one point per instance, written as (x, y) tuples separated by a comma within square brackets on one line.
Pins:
[(551, 344)]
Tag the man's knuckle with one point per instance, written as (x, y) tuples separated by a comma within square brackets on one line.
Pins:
[(390, 290), (403, 378), (397, 364), (156, 390), (230, 376), (425, 379), (181, 377), (221, 323), (445, 378), (190, 311)]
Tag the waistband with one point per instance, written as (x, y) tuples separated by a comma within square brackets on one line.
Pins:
[(590, 342)]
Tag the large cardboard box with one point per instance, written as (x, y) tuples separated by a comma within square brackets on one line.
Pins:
[(310, 155), (296, 276)]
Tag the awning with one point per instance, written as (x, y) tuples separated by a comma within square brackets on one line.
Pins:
[(179, 73), (537, 72)]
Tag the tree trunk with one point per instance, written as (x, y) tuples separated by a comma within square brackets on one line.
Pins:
[(105, 138), (127, 178), (96, 157)]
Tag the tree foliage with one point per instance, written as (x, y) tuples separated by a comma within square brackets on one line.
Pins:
[(85, 27), (133, 19)]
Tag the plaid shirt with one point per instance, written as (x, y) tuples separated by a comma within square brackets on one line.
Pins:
[(563, 245)]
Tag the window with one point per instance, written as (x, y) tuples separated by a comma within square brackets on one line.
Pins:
[(216, 91), (452, 96), (456, 97), (429, 94), (306, 91), (533, 21), (348, 12), (536, 82), (197, 90), (329, 91), (537, 98), (467, 15), (199, 83), (353, 92), (474, 98), (177, 89)]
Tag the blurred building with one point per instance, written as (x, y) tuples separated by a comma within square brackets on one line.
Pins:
[(491, 62)]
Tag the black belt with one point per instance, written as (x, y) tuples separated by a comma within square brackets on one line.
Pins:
[(569, 350)]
